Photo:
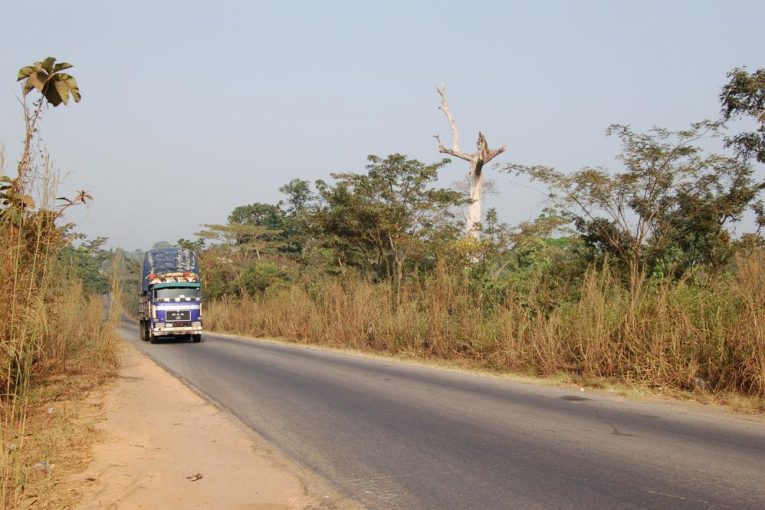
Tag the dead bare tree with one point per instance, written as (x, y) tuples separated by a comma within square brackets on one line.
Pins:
[(477, 160)]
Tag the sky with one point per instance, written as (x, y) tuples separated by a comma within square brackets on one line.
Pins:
[(190, 109)]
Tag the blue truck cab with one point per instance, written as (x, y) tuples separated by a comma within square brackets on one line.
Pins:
[(170, 301)]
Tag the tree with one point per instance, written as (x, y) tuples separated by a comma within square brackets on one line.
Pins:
[(298, 208), (161, 245), (667, 211), (299, 195), (240, 258), (263, 215), (476, 160), (196, 245), (744, 96), (387, 217), (87, 261), (242, 240)]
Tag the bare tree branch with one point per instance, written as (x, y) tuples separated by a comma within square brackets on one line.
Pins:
[(477, 160), (452, 125), (452, 152), (483, 153)]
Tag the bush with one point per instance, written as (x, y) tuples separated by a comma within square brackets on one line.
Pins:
[(671, 334)]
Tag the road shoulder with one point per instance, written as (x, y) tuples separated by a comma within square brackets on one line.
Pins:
[(166, 447)]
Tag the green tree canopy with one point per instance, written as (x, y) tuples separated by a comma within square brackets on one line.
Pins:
[(299, 195), (263, 215), (744, 96), (666, 211), (387, 217)]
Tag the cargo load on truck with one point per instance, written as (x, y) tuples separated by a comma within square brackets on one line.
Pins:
[(170, 301), (168, 261)]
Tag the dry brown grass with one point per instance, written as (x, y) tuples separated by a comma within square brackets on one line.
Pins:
[(54, 340), (694, 335), (51, 335), (44, 422), (60, 430)]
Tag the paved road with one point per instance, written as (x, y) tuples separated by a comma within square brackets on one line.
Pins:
[(392, 435)]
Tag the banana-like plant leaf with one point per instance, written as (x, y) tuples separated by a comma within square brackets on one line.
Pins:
[(75, 91), (47, 78), (47, 64), (61, 66), (24, 72), (28, 87), (71, 85), (52, 96), (38, 80), (62, 90)]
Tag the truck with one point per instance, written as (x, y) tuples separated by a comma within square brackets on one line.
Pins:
[(170, 295)]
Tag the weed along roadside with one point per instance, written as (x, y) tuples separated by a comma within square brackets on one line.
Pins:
[(701, 339), (57, 343)]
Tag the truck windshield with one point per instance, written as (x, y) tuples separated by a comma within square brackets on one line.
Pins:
[(177, 292)]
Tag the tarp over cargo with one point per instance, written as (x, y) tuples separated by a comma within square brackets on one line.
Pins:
[(168, 260)]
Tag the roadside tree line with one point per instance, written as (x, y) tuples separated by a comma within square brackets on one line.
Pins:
[(647, 252)]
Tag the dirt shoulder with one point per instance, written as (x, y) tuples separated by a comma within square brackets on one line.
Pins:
[(164, 446)]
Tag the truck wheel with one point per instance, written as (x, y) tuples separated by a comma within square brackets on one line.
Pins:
[(141, 331), (196, 338), (152, 339)]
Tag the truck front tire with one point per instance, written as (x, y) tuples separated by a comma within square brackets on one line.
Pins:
[(196, 338), (146, 334)]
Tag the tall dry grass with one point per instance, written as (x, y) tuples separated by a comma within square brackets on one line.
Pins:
[(48, 327), (705, 333)]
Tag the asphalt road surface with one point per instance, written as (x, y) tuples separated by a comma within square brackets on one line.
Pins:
[(396, 435)]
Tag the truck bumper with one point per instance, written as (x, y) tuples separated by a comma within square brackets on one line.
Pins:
[(171, 331)]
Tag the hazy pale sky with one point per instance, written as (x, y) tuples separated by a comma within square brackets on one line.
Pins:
[(192, 108)]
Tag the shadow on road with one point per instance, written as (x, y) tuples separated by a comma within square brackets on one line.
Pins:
[(172, 340)]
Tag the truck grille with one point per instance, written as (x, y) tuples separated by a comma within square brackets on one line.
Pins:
[(177, 315)]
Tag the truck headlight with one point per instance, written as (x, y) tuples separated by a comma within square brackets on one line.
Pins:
[(159, 325)]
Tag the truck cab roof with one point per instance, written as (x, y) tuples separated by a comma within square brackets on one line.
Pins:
[(168, 285)]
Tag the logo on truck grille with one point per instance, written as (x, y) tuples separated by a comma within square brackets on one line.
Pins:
[(177, 315)]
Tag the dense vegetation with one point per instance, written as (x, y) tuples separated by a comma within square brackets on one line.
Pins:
[(53, 324), (635, 274)]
